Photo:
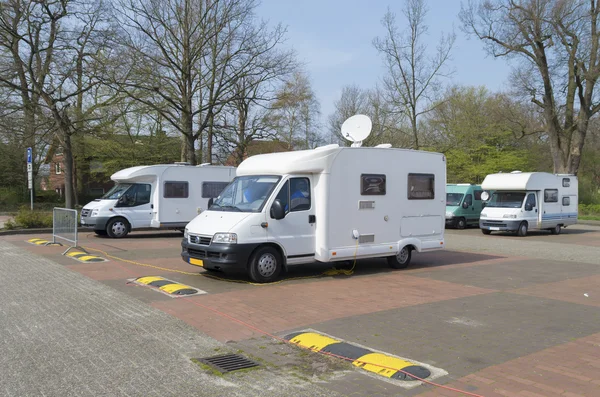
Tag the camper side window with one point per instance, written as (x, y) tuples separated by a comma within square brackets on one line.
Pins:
[(176, 190), (551, 196), (566, 182), (421, 186), (213, 189), (566, 201), (372, 184)]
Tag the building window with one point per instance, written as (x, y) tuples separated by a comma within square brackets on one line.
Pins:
[(551, 196), (372, 184), (213, 189), (176, 190), (566, 201), (566, 182), (421, 186), (57, 168)]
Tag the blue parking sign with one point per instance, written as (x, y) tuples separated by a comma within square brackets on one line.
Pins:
[(29, 155)]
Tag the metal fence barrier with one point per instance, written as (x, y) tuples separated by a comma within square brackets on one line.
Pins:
[(64, 226)]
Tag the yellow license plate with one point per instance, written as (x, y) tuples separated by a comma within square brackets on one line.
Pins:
[(197, 262)]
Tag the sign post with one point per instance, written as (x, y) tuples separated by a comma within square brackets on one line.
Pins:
[(30, 174)]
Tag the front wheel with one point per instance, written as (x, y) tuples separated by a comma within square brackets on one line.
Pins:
[(401, 259), (461, 223), (117, 228), (486, 232), (522, 231), (265, 265)]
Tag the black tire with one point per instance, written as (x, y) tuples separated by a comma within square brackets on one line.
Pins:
[(461, 223), (400, 260), (522, 231), (555, 230), (265, 265), (117, 227), (100, 232), (486, 232)]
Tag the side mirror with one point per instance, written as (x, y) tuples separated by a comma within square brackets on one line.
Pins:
[(210, 202), (465, 204), (277, 211), (528, 207)]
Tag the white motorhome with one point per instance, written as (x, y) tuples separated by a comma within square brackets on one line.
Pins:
[(525, 201), (326, 204), (155, 196)]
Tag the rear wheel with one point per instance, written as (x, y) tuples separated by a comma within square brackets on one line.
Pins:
[(265, 265), (401, 259), (555, 229), (522, 231), (486, 232), (461, 223), (117, 228)]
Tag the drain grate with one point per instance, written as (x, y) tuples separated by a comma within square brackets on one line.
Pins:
[(228, 362)]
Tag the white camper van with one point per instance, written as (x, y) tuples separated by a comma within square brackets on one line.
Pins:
[(155, 196), (525, 201), (327, 204)]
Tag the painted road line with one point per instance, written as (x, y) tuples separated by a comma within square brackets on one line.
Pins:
[(85, 257), (168, 287), (393, 368)]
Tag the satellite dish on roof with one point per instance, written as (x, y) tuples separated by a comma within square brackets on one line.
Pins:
[(356, 129)]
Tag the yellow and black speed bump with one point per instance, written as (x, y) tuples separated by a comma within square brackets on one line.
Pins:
[(379, 363), (38, 241), (84, 257), (167, 286)]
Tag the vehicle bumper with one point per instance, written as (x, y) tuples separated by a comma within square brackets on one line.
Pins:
[(96, 223), (225, 257), (451, 221), (499, 225)]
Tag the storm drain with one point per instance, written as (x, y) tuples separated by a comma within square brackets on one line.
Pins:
[(228, 362)]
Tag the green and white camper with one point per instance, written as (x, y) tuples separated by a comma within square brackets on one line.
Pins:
[(463, 205)]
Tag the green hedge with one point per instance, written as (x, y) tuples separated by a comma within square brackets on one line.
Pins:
[(589, 209), (28, 219)]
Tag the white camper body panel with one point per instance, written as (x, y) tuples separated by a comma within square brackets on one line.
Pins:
[(342, 223), (555, 198)]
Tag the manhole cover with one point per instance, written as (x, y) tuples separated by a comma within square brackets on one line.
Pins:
[(228, 362)]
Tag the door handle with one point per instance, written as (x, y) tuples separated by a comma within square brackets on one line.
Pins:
[(312, 219), (152, 206)]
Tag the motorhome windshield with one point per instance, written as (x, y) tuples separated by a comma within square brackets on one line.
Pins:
[(506, 200), (453, 199), (117, 191), (246, 194)]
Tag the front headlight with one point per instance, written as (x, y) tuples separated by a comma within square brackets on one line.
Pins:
[(449, 214), (482, 215), (94, 213), (511, 216), (185, 233), (225, 238)]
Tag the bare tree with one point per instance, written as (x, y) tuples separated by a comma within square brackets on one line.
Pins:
[(51, 42), (187, 56), (556, 45), (413, 75)]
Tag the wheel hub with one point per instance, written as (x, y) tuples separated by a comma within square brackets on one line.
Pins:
[(402, 255), (267, 265)]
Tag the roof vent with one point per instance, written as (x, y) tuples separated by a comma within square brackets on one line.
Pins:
[(516, 172), (181, 163), (204, 164), (385, 145)]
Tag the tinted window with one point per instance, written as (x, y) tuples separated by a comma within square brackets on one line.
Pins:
[(469, 200), (477, 194), (551, 196), (566, 182), (284, 195), (299, 194), (137, 194), (530, 201), (372, 184), (566, 201), (176, 190), (421, 186), (213, 189)]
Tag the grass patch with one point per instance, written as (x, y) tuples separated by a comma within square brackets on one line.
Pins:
[(589, 217)]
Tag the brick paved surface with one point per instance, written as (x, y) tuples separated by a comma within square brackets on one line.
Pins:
[(504, 316)]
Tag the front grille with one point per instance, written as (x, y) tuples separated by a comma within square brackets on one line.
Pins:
[(202, 240), (85, 212), (201, 254), (494, 223)]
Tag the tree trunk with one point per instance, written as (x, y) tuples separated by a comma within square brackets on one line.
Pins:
[(68, 157), (188, 127)]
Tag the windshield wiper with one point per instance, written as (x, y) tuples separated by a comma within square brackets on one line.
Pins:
[(230, 207)]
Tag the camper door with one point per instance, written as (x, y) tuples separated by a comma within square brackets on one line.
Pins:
[(295, 232)]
